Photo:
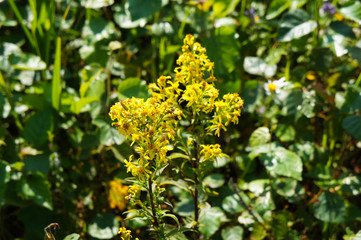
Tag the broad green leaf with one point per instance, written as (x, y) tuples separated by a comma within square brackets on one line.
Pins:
[(162, 28), (73, 236), (132, 87), (284, 186), (97, 29), (294, 25), (351, 185), (232, 204), (78, 106), (283, 163), (110, 136), (124, 19), (210, 221), (56, 82), (258, 232), (343, 29), (147, 9), (285, 133), (264, 202), (7, 49), (95, 4), (103, 226), (4, 178), (321, 59), (280, 224), (308, 103), (257, 66), (352, 12), (352, 125), (222, 8), (185, 207), (36, 163), (215, 180), (222, 48), (258, 186), (232, 233), (259, 137), (330, 208), (89, 74), (27, 62), (6, 21), (38, 126), (277, 7), (35, 187)]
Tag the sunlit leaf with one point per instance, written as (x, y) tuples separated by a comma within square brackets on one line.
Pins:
[(260, 136), (27, 62), (95, 4), (210, 221), (295, 24), (257, 66), (352, 12), (232, 233), (103, 226), (35, 187), (4, 178), (283, 163)]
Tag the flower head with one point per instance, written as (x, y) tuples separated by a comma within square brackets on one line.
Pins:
[(275, 86), (117, 194)]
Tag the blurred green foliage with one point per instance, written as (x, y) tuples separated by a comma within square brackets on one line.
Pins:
[(295, 156)]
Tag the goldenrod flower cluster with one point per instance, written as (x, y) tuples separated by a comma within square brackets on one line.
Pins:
[(152, 124), (209, 152), (125, 234), (117, 194)]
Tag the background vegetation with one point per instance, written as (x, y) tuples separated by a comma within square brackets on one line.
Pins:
[(295, 156)]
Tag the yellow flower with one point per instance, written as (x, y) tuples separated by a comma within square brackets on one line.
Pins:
[(116, 195), (125, 234), (338, 16), (311, 75), (210, 152)]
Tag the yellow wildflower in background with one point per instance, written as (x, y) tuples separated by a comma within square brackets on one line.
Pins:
[(117, 194), (125, 234), (210, 152)]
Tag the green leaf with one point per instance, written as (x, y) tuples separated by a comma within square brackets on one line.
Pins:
[(132, 87), (322, 59), (95, 4), (351, 185), (277, 7), (352, 12), (294, 25), (283, 163), (257, 66), (260, 136), (285, 133), (258, 232), (124, 19), (352, 125), (232, 204), (36, 163), (210, 221), (214, 180), (147, 9), (330, 208), (222, 48), (56, 82), (232, 233), (97, 29), (4, 178), (343, 29), (285, 187), (35, 187), (78, 106), (37, 127), (73, 236), (103, 226), (27, 62), (280, 224)]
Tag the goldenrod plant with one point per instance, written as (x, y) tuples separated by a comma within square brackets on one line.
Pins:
[(181, 112)]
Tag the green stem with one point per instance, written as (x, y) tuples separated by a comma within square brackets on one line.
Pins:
[(155, 219), (25, 29), (195, 193)]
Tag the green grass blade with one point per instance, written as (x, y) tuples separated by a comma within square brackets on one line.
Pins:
[(56, 82)]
